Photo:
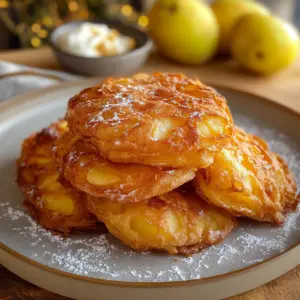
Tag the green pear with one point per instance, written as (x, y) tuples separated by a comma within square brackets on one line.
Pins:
[(264, 44), (184, 30), (228, 13)]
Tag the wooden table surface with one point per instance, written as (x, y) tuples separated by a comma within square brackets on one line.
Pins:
[(283, 88)]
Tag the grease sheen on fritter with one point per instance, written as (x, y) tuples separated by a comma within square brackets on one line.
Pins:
[(176, 222), (159, 119), (247, 179), (88, 171), (54, 206)]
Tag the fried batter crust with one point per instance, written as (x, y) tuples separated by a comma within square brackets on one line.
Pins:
[(88, 171), (178, 222), (55, 207), (247, 179), (159, 119)]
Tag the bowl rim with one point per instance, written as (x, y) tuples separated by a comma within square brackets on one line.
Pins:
[(145, 47)]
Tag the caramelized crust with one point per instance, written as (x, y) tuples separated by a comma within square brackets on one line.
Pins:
[(55, 207), (177, 222), (125, 148), (161, 119), (247, 179), (88, 171)]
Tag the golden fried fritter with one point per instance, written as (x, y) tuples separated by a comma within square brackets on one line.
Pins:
[(54, 206), (86, 170), (160, 119), (176, 222), (247, 179)]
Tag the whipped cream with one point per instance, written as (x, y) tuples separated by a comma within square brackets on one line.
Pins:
[(95, 40)]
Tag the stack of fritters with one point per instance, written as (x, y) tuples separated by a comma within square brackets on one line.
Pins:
[(125, 153)]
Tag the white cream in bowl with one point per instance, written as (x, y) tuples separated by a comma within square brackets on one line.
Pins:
[(95, 40)]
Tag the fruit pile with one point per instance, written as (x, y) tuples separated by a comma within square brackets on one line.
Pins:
[(191, 32)]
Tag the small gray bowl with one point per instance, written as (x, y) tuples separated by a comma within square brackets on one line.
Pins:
[(122, 64)]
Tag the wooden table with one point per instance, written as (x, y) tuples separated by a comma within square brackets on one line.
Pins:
[(284, 88)]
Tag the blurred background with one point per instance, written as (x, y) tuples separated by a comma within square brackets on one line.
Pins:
[(27, 23)]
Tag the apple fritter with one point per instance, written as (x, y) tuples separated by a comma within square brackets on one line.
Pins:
[(160, 119), (82, 166), (53, 205), (247, 179), (178, 222)]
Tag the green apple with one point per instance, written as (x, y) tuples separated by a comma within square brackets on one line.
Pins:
[(264, 44), (184, 30), (228, 13)]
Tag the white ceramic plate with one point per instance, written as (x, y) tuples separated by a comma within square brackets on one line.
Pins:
[(87, 265)]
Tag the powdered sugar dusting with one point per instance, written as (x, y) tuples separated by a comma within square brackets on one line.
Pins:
[(102, 256)]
